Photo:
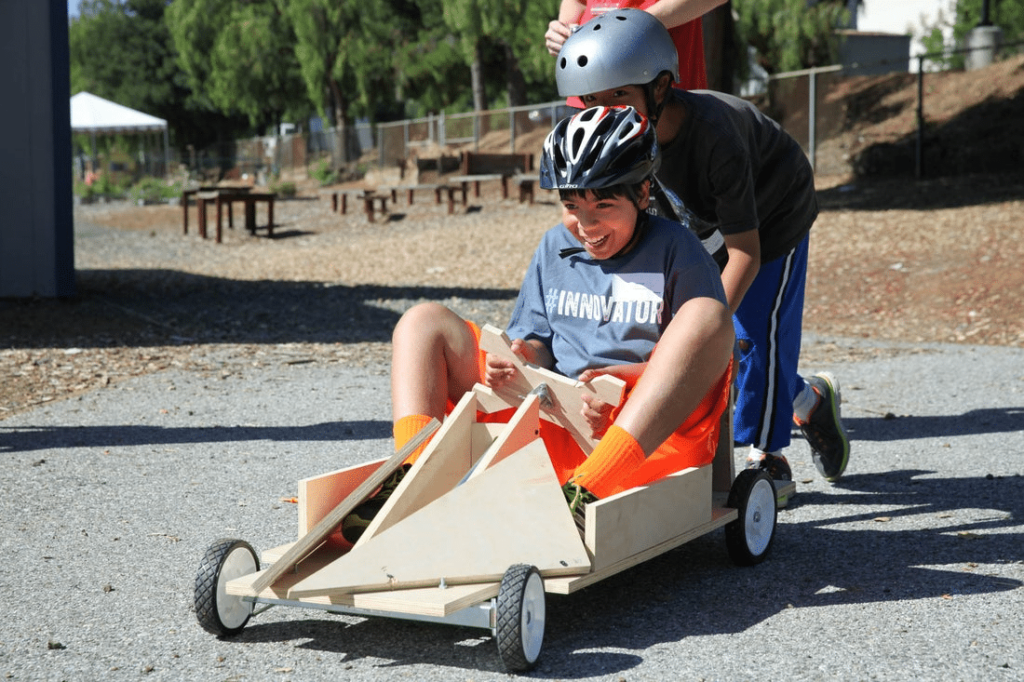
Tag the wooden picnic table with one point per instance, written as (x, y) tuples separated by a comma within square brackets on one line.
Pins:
[(219, 198), (187, 194)]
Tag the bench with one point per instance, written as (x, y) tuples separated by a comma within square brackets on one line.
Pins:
[(220, 197), (370, 201), (339, 197), (437, 189), (525, 182), (187, 194), (477, 167)]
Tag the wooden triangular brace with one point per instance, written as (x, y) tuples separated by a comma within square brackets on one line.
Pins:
[(330, 523), (437, 470)]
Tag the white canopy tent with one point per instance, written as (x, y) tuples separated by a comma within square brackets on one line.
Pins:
[(98, 116)]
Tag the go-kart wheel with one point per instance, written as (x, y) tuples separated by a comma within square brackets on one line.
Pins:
[(520, 617), (749, 537), (219, 613)]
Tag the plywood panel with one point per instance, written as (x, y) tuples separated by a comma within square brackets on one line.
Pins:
[(637, 519), (521, 429), (330, 523), (436, 471), (513, 512), (318, 495)]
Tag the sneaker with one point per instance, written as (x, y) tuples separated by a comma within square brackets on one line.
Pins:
[(354, 525), (777, 468), (824, 430), (577, 498)]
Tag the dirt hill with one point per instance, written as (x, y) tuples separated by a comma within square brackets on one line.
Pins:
[(973, 123)]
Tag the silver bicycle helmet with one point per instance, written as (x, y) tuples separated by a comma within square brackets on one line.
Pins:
[(621, 47), (599, 147)]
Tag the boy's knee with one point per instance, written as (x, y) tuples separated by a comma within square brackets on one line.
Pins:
[(426, 320)]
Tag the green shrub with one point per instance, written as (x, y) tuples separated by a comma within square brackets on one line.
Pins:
[(154, 190), (284, 189), (323, 173)]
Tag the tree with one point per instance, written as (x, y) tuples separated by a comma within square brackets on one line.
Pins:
[(791, 34), (122, 50), (514, 27), (253, 66), (1008, 15), (343, 49), (238, 58)]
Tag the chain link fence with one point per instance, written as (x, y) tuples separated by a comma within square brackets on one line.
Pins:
[(819, 107)]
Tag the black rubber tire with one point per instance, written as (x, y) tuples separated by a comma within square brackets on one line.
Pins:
[(520, 617), (749, 538), (226, 559)]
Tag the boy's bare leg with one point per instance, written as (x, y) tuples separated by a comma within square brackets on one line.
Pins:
[(690, 358), (434, 358)]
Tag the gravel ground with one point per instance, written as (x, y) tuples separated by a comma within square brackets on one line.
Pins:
[(909, 568), (187, 388)]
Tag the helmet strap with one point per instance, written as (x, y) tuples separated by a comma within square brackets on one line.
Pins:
[(654, 107)]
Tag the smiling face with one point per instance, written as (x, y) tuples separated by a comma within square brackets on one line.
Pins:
[(604, 226)]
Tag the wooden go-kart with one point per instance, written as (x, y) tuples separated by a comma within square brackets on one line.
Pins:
[(479, 530)]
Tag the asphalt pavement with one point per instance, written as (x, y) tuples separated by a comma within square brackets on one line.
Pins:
[(910, 568)]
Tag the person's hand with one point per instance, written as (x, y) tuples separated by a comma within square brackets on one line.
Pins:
[(556, 35), (597, 413), (501, 370)]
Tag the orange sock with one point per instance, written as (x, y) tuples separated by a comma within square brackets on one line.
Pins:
[(616, 456), (405, 429)]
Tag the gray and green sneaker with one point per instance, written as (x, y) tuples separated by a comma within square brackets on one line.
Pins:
[(830, 447), (577, 498), (354, 525), (777, 468)]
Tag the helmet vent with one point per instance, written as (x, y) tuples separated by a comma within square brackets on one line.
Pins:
[(582, 61)]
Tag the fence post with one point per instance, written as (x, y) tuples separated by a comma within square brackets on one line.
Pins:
[(442, 132), (511, 131), (812, 117), (918, 151)]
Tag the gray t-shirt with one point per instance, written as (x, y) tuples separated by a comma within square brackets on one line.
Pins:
[(735, 167), (595, 313)]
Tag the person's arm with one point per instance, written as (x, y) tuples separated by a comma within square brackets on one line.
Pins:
[(744, 262), (560, 29), (690, 358), (674, 13)]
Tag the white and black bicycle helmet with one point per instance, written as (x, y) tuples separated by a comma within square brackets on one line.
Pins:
[(620, 47), (599, 147)]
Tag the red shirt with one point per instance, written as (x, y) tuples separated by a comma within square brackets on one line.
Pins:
[(688, 38)]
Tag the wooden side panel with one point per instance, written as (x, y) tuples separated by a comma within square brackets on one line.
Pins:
[(565, 394), (640, 518), (318, 495), (307, 543), (513, 512)]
